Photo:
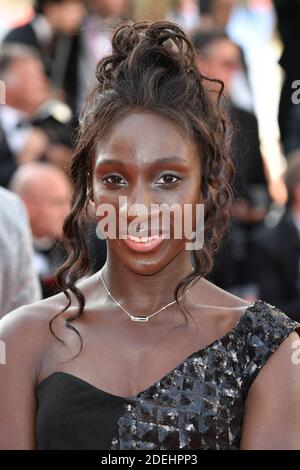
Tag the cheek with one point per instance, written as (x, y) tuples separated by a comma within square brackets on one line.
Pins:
[(106, 206), (105, 210)]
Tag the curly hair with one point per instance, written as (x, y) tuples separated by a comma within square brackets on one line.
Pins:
[(152, 67)]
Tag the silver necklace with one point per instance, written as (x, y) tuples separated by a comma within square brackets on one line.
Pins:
[(138, 318)]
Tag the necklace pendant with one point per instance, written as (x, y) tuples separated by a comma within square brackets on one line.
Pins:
[(138, 318)]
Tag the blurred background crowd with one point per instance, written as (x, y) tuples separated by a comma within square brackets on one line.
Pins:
[(48, 53)]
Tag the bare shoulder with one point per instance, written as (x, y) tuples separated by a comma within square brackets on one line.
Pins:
[(211, 294), (272, 411), (30, 318), (35, 317), (25, 329), (226, 307)]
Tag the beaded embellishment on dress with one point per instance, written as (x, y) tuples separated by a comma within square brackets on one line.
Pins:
[(200, 404)]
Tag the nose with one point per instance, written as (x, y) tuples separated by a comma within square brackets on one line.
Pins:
[(139, 200), (139, 203)]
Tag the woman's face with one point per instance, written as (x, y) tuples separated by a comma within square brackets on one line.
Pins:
[(146, 160)]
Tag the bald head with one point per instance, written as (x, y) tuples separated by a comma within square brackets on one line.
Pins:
[(46, 192), (37, 178)]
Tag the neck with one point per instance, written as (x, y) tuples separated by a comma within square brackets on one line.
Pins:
[(144, 293)]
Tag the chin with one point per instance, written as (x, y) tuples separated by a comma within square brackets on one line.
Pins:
[(147, 264)]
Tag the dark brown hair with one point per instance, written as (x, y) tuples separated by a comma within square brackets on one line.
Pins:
[(152, 67)]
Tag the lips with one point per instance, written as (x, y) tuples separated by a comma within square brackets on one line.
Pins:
[(143, 239), (143, 244)]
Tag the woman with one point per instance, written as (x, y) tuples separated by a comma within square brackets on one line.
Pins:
[(207, 370)]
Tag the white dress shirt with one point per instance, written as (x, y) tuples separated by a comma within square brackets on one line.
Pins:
[(16, 136)]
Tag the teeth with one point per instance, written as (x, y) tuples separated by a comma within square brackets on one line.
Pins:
[(144, 239)]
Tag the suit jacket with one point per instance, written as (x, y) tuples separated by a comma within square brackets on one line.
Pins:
[(57, 131), (276, 255), (19, 283), (53, 257), (8, 163), (70, 80), (231, 262), (248, 160), (288, 13)]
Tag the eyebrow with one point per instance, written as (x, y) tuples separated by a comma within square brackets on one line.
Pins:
[(161, 161)]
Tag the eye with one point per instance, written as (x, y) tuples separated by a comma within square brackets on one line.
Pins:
[(116, 180), (168, 178)]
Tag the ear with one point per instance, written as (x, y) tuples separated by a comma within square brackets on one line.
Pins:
[(91, 196), (91, 208), (90, 203), (90, 192)]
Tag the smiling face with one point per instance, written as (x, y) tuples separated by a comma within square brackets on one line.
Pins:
[(147, 159)]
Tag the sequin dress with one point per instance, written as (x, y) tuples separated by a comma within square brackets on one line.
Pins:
[(197, 405)]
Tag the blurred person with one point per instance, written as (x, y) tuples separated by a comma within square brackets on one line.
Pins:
[(19, 283), (46, 193), (288, 14), (185, 13), (219, 57), (276, 250), (33, 125), (251, 25), (148, 10), (102, 17), (109, 8), (55, 33), (216, 13)]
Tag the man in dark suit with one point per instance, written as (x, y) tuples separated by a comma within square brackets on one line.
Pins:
[(220, 58), (215, 13), (33, 125), (276, 251), (53, 32)]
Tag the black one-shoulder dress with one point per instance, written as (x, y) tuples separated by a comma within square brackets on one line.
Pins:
[(197, 405)]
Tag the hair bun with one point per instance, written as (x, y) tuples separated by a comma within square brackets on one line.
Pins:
[(132, 40), (125, 38)]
